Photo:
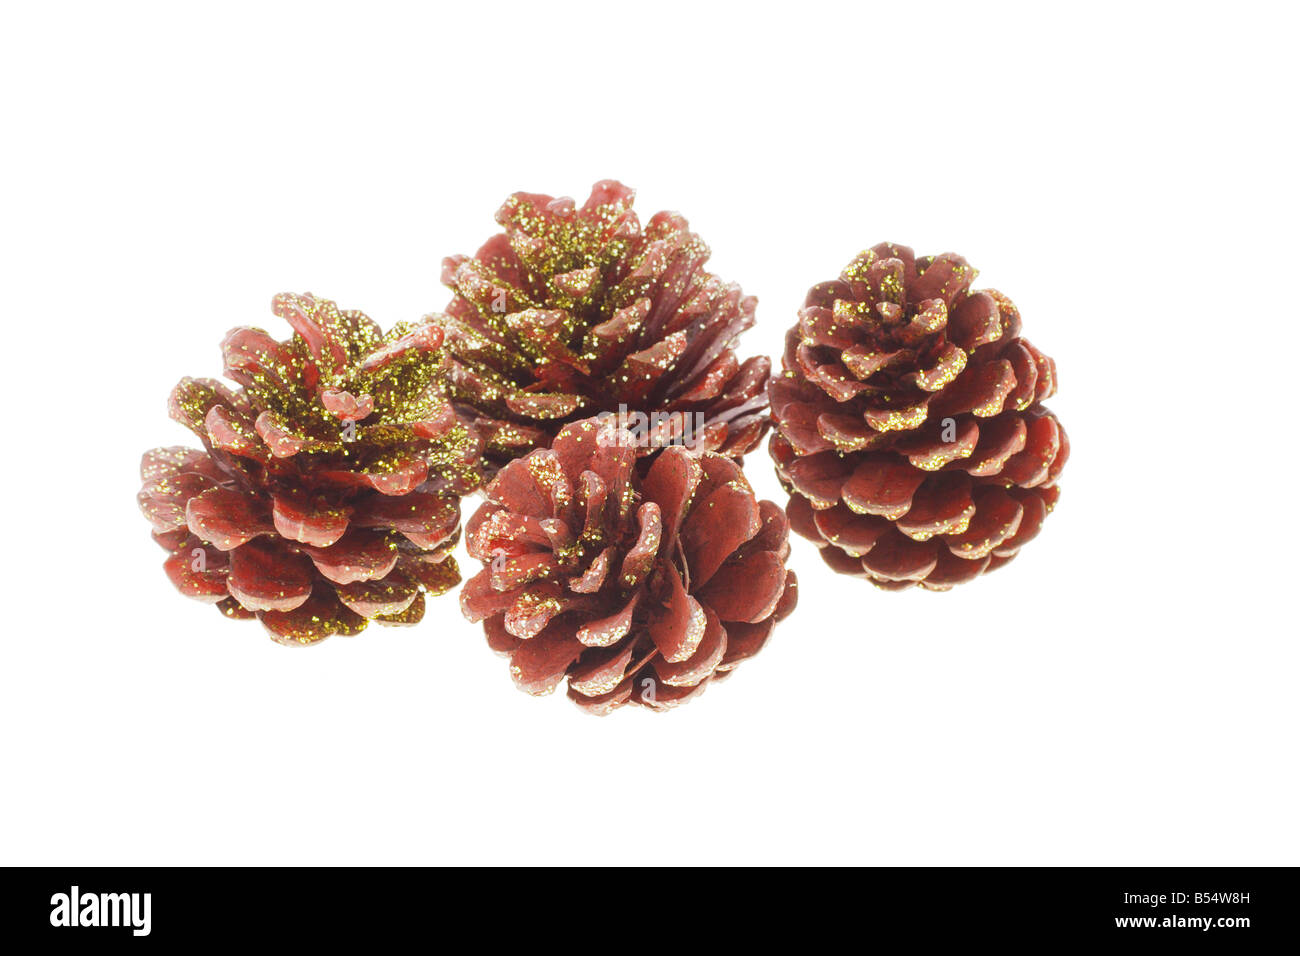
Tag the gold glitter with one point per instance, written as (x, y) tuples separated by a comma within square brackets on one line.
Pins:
[(945, 370), (900, 419), (859, 270)]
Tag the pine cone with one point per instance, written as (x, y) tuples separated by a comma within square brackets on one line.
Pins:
[(909, 425), (327, 493), (636, 589), (576, 311)]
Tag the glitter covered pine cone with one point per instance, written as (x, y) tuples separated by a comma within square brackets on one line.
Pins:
[(636, 583), (577, 310), (327, 491), (909, 428)]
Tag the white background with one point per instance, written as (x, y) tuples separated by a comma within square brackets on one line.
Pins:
[(1124, 693)]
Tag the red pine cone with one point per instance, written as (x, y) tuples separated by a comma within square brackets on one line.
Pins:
[(635, 589), (909, 425), (573, 311), (327, 493)]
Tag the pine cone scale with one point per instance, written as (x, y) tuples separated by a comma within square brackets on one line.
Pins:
[(264, 577)]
